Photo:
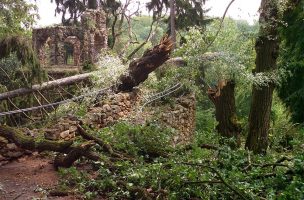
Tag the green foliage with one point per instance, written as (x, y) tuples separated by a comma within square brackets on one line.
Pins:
[(292, 60), (25, 54), (188, 13), (230, 57), (8, 69), (150, 140), (188, 174), (88, 66), (16, 16)]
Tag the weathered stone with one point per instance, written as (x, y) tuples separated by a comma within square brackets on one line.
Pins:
[(106, 107), (116, 109), (79, 43), (64, 134), (110, 119), (3, 140), (120, 114), (72, 129), (16, 154), (121, 104), (2, 158), (11, 146)]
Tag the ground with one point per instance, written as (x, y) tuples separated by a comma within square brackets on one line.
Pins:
[(28, 178)]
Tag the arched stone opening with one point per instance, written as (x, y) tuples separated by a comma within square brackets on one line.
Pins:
[(68, 54), (72, 51)]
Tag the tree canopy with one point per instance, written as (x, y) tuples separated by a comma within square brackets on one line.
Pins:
[(16, 16), (292, 60)]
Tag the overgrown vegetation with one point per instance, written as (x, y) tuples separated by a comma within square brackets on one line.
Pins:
[(133, 161), (187, 173)]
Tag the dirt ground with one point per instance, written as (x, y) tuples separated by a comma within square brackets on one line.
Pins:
[(28, 178)]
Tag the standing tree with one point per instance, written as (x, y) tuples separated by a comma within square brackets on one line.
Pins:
[(267, 47), (172, 22), (92, 4), (184, 13), (292, 59)]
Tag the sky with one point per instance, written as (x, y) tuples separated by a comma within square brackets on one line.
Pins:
[(240, 9)]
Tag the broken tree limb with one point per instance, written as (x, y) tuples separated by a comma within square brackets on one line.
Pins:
[(73, 153), (30, 143), (140, 69), (137, 73), (105, 147), (47, 85)]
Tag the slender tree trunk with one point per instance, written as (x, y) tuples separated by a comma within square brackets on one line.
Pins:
[(267, 52), (172, 22), (225, 111), (92, 4)]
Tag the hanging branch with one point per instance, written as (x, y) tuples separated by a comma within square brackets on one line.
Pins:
[(130, 56), (221, 24), (24, 52)]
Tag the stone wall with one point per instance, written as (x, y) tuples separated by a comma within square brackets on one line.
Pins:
[(181, 117), (86, 40), (114, 107)]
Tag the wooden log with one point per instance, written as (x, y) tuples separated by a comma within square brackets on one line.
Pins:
[(74, 154), (68, 154), (140, 69), (30, 143), (45, 86)]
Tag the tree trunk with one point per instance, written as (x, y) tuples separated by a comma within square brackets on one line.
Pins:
[(92, 4), (267, 52), (140, 69), (225, 111), (172, 22), (47, 85)]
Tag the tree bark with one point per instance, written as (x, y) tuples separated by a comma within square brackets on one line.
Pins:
[(30, 143), (92, 4), (45, 86), (140, 69), (266, 55), (172, 22), (225, 111)]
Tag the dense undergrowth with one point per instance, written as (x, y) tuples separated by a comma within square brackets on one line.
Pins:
[(204, 169), (161, 171)]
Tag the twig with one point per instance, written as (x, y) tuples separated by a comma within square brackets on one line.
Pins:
[(19, 108), (37, 99), (236, 191), (17, 197), (106, 147), (45, 99), (203, 182), (221, 24)]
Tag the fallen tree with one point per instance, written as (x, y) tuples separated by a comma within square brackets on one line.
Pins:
[(137, 73), (68, 153), (140, 69), (46, 86)]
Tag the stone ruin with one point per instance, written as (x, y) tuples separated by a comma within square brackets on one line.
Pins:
[(72, 45)]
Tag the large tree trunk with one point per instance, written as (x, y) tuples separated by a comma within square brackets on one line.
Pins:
[(92, 4), (172, 22), (47, 85), (267, 52), (140, 69), (225, 111)]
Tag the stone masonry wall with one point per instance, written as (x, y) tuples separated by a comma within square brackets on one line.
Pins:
[(86, 40), (180, 116)]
